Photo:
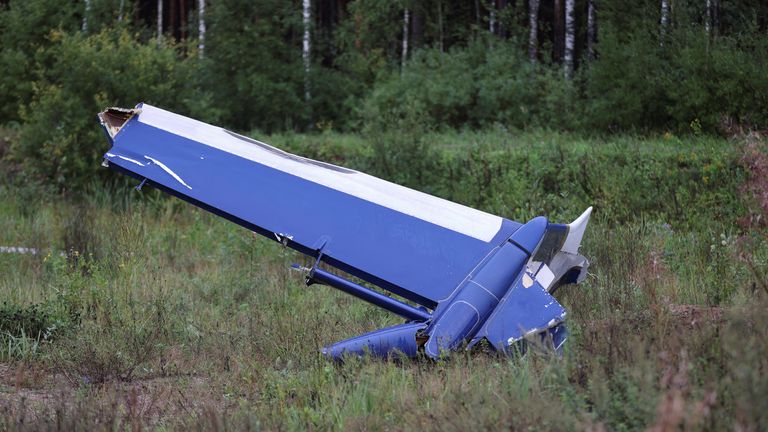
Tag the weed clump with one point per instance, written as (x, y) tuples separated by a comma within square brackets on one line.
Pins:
[(31, 320)]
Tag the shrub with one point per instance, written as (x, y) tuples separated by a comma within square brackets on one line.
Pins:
[(24, 32), (60, 141), (113, 345), (18, 321), (480, 85)]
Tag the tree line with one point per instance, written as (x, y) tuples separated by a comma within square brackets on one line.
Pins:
[(595, 66)]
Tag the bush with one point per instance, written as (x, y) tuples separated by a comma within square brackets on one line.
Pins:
[(60, 141), (693, 82), (31, 321), (689, 184), (114, 345), (717, 82), (476, 86), (24, 32)]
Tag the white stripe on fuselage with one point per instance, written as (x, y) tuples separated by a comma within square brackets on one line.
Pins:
[(465, 220)]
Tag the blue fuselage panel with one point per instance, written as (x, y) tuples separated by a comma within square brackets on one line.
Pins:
[(409, 256)]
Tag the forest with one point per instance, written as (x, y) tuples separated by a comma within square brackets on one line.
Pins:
[(587, 66), (122, 308)]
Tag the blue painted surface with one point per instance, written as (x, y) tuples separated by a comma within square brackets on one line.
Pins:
[(418, 260), (390, 341), (457, 321), (522, 311), (529, 236), (404, 310)]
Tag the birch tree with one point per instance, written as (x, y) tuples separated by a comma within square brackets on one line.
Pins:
[(85, 15), (159, 20), (495, 23), (591, 29), (492, 20), (201, 28), (406, 20), (533, 37), (570, 38), (664, 21), (120, 11), (307, 14)]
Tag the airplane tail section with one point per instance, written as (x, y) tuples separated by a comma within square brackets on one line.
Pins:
[(526, 310), (529, 308), (466, 271)]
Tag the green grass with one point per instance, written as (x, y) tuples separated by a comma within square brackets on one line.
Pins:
[(164, 316)]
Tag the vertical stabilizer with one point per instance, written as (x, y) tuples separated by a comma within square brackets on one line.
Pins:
[(576, 232)]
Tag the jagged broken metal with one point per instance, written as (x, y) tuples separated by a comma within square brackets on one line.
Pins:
[(463, 275)]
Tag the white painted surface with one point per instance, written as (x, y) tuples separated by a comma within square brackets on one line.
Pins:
[(576, 233), (456, 217), (169, 171), (545, 277)]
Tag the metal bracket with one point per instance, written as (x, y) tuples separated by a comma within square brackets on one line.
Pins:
[(138, 188), (310, 272)]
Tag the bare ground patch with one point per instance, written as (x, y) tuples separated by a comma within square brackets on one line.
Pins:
[(37, 397)]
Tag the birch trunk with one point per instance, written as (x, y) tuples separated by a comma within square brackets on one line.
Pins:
[(201, 28), (708, 17), (159, 20), (120, 11), (533, 22), (492, 21), (306, 12), (664, 21), (570, 38), (591, 29), (406, 20), (85, 15)]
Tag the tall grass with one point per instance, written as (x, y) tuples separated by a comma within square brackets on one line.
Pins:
[(164, 316)]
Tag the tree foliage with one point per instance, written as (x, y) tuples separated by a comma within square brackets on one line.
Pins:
[(466, 67), (58, 139)]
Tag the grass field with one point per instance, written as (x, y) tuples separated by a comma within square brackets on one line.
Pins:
[(142, 312)]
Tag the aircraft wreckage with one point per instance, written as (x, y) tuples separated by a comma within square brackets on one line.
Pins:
[(473, 275)]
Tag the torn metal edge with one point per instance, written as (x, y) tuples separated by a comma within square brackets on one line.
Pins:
[(114, 118)]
